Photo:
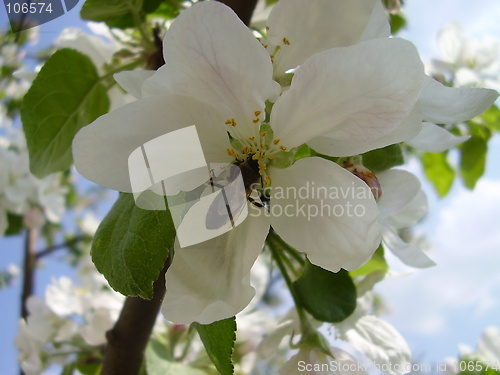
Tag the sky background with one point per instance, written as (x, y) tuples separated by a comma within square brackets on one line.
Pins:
[(434, 309)]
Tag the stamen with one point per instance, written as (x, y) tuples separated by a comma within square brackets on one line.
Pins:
[(282, 148), (286, 41), (276, 141)]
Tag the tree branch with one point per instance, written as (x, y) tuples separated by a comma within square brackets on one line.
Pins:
[(51, 249), (28, 269), (127, 340), (243, 8)]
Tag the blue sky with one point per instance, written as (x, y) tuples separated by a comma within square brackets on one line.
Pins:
[(434, 309)]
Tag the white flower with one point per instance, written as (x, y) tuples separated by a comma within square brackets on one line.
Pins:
[(471, 62), (401, 205), (375, 338), (488, 346), (219, 77)]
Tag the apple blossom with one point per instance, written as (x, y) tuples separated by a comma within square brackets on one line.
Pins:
[(402, 204), (354, 94)]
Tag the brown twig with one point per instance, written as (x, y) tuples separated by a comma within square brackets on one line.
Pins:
[(51, 249), (28, 269), (127, 340)]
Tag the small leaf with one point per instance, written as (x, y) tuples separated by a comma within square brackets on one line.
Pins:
[(491, 118), (131, 246), (473, 160), (158, 362), (327, 296), (384, 158), (438, 171), (218, 339), (397, 22), (15, 224), (65, 96), (376, 263)]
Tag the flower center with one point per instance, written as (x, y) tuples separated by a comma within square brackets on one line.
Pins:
[(261, 146)]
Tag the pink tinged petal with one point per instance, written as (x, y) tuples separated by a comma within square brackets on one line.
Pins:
[(434, 138), (321, 209), (399, 188), (408, 129), (357, 93), (101, 150), (447, 105), (212, 56), (131, 81), (211, 281), (324, 24), (410, 255)]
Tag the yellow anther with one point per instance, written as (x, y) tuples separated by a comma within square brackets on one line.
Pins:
[(267, 28), (256, 120), (276, 141), (251, 138), (256, 156), (261, 172), (267, 180), (265, 46), (283, 148), (263, 134), (263, 146), (257, 113), (270, 156), (230, 151), (228, 122), (286, 41)]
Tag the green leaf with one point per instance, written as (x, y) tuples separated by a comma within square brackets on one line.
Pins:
[(376, 263), (398, 22), (15, 224), (384, 158), (327, 296), (131, 246), (159, 363), (491, 118), (218, 339), (438, 171), (88, 364), (473, 160), (65, 96), (118, 13)]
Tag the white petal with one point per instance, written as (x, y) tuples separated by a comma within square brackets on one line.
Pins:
[(399, 188), (378, 340), (212, 56), (434, 138), (410, 255), (408, 129), (321, 209), (411, 214), (355, 93), (101, 149), (323, 24), (131, 81), (489, 344), (446, 105), (211, 281)]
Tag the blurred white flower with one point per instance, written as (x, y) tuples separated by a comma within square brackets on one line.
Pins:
[(469, 62)]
